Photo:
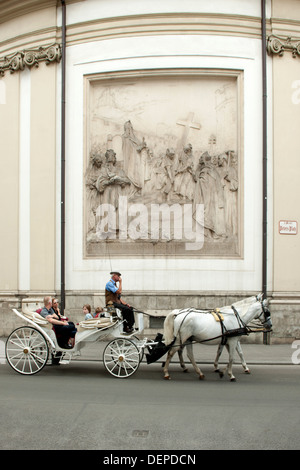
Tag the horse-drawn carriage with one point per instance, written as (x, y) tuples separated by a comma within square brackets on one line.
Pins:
[(29, 348)]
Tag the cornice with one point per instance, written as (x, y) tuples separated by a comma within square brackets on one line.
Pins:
[(10, 9), (30, 58), (41, 37), (161, 24), (138, 26)]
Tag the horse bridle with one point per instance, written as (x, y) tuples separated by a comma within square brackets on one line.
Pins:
[(266, 312)]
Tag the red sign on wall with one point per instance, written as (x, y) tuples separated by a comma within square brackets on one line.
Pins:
[(288, 227)]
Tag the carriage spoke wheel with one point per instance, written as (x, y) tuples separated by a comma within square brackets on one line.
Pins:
[(26, 350), (121, 357)]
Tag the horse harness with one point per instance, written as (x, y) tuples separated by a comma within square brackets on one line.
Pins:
[(242, 330)]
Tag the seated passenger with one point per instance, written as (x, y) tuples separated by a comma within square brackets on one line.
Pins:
[(99, 312), (66, 330), (86, 310), (56, 310)]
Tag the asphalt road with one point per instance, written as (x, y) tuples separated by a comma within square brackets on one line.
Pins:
[(80, 406)]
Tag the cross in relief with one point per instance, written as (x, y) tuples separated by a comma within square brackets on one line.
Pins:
[(188, 124)]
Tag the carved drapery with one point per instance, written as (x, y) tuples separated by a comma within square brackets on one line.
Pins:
[(278, 45), (30, 58)]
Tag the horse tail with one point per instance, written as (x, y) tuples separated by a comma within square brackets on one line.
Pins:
[(168, 335)]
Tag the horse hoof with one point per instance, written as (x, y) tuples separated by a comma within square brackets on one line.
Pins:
[(201, 377), (233, 379), (221, 375), (185, 370), (247, 371), (167, 377), (217, 370)]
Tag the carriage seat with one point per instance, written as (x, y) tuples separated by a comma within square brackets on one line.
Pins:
[(36, 317), (28, 312), (94, 323)]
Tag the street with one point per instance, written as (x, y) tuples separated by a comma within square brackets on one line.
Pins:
[(80, 406)]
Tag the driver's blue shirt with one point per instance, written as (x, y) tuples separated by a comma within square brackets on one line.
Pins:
[(111, 286)]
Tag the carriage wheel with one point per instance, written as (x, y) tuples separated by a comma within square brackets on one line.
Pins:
[(121, 357), (26, 350)]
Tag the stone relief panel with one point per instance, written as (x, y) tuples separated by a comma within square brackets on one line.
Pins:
[(163, 165)]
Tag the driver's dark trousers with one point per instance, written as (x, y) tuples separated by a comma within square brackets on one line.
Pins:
[(127, 313)]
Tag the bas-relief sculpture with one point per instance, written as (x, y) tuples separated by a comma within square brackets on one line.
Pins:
[(127, 168)]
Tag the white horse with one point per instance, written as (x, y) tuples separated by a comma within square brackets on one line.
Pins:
[(245, 303), (181, 327)]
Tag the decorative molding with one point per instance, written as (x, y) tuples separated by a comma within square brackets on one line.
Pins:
[(30, 58), (163, 23), (278, 45)]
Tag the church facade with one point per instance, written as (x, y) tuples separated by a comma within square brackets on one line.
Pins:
[(158, 139)]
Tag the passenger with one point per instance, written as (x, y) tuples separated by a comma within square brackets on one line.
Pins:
[(86, 309), (56, 310), (66, 330), (99, 312), (113, 294)]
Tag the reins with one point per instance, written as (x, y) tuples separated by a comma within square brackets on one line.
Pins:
[(148, 314)]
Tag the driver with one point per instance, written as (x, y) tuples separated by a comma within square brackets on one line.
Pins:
[(113, 294)]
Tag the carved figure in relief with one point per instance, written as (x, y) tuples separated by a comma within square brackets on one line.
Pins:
[(134, 166), (169, 172), (209, 192), (228, 172), (159, 175), (161, 187), (93, 197), (185, 179), (111, 180)]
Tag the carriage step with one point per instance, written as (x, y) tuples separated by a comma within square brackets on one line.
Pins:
[(65, 358)]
